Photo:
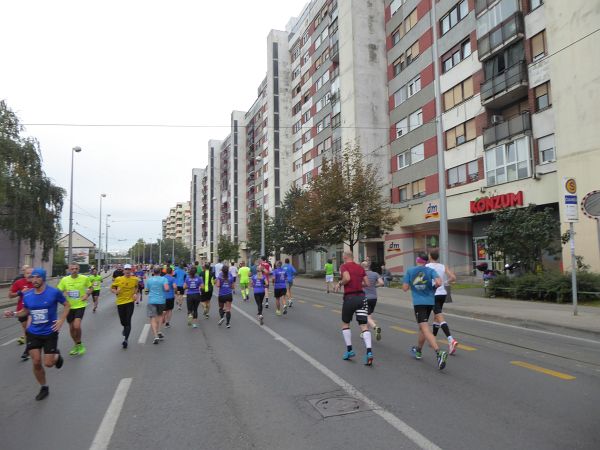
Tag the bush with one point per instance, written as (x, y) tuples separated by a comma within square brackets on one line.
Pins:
[(547, 286)]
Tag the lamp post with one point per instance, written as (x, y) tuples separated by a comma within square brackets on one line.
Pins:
[(70, 257), (106, 238), (99, 258)]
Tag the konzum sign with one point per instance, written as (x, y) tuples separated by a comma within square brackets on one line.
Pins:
[(487, 204)]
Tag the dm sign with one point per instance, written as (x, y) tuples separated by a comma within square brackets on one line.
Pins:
[(487, 204), (432, 211)]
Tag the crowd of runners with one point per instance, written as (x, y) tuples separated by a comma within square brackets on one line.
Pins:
[(159, 289)]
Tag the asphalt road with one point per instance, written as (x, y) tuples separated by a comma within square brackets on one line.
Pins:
[(254, 387)]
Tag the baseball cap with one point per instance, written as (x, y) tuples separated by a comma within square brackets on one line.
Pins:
[(127, 266)]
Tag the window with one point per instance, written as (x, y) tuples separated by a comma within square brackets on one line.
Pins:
[(297, 164), (323, 123), (306, 137), (546, 148), (458, 94), (295, 73), (323, 101), (403, 160), (455, 56), (536, 4), (296, 108), (398, 65), (400, 96), (396, 36), (455, 15), (403, 190), (417, 153), (542, 96), (460, 134), (418, 188), (324, 79), (538, 48), (395, 6), (465, 173), (414, 86), (412, 53), (507, 162), (306, 116), (410, 21), (415, 120), (495, 15), (295, 52), (336, 121), (402, 128), (305, 58), (297, 145), (296, 127)]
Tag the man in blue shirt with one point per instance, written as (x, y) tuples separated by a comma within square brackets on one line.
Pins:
[(180, 275), (169, 297), (157, 287), (41, 304), (423, 281), (291, 272)]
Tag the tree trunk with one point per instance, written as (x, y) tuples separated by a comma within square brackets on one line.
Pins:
[(304, 261)]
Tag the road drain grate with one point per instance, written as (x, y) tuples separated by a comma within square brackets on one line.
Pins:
[(337, 405)]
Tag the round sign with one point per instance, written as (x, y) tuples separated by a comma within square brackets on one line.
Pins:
[(571, 186), (590, 205)]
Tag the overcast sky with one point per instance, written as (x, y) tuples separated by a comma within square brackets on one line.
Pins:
[(173, 62)]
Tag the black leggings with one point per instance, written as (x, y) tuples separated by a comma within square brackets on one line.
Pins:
[(193, 301), (258, 298), (125, 314)]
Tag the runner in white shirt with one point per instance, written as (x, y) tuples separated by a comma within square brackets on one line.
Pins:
[(233, 271)]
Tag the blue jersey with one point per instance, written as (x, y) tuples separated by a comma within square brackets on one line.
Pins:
[(156, 290), (194, 284), (225, 285), (258, 284), (420, 279), (171, 293), (280, 277), (180, 276), (43, 309), (290, 270)]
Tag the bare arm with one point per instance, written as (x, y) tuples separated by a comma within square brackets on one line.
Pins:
[(405, 287), (65, 312), (451, 275)]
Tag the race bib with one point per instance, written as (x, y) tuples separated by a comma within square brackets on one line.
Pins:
[(192, 285), (39, 316), (73, 294), (96, 285)]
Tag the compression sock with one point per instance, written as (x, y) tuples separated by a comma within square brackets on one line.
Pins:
[(444, 326), (435, 328), (367, 338), (347, 338), (221, 313), (228, 316)]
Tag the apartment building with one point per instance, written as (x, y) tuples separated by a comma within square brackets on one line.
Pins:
[(199, 213), (178, 224)]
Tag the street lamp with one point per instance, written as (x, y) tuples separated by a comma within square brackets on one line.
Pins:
[(70, 258), (106, 237), (98, 256), (262, 219)]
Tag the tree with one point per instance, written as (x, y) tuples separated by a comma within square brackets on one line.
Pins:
[(254, 234), (30, 204), (144, 251), (524, 234), (345, 202), (227, 249)]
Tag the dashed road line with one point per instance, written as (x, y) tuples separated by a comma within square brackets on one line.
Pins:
[(107, 426), (552, 373)]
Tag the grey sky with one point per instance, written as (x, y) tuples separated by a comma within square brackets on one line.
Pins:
[(132, 62)]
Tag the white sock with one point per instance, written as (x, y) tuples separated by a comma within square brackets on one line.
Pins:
[(367, 338), (347, 336), (450, 338)]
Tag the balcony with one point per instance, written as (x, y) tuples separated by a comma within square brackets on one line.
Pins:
[(510, 31), (506, 87), (481, 5), (335, 51), (514, 126)]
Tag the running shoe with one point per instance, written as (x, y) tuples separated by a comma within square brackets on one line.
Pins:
[(21, 340), (416, 353), (277, 312), (74, 351), (206, 316), (378, 333), (267, 303), (59, 361), (81, 350), (291, 302), (228, 325), (348, 355), (124, 343), (452, 346), (44, 391), (285, 307), (190, 319), (441, 359), (178, 308), (195, 325), (369, 359), (25, 355), (94, 310), (137, 303), (260, 319), (168, 325), (162, 336), (221, 320), (155, 341)]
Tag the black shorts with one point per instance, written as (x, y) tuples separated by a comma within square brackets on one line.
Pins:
[(422, 313), (205, 296), (96, 293), (280, 292), (169, 304), (75, 314), (180, 290), (48, 342), (141, 286), (225, 298), (439, 303), (355, 303), (371, 302)]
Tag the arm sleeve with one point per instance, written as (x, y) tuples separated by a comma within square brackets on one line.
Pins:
[(60, 297)]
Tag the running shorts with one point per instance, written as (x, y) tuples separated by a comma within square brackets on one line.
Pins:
[(422, 313), (169, 304), (48, 342), (155, 310), (290, 283), (280, 292), (96, 293), (180, 290), (328, 278), (439, 303), (75, 314), (355, 304), (225, 298), (371, 302), (205, 296)]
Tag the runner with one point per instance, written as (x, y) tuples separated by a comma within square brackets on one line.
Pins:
[(375, 281), (41, 303), (353, 279), (169, 298), (208, 276), (125, 287), (266, 267), (118, 272), (441, 293), (234, 272), (244, 276), (158, 287), (218, 267), (329, 275), (77, 288), (140, 274), (19, 287), (193, 285), (180, 276), (96, 281), (291, 272), (225, 285), (423, 281), (259, 283), (279, 277)]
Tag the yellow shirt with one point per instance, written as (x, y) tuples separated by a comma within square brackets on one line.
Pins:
[(75, 289), (127, 286)]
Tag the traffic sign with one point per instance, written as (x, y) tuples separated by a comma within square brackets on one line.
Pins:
[(570, 199), (590, 205)]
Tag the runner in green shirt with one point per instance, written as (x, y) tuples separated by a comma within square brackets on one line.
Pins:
[(329, 275), (244, 276), (77, 288), (96, 281)]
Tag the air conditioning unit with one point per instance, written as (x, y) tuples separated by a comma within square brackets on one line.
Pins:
[(497, 119)]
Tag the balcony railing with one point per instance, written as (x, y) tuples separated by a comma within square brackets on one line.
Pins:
[(505, 130), (508, 32), (504, 82)]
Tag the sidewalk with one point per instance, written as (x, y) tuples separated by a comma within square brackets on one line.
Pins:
[(536, 315)]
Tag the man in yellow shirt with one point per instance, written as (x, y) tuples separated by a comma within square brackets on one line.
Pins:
[(76, 288), (126, 288)]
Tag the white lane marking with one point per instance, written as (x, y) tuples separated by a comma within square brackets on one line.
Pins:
[(107, 426), (9, 342), (390, 418), (144, 334)]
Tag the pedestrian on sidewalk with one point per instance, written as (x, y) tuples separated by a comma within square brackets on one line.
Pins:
[(423, 281), (375, 281)]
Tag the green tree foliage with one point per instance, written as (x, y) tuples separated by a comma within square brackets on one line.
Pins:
[(254, 234), (524, 234), (30, 204), (345, 202), (152, 252), (227, 249)]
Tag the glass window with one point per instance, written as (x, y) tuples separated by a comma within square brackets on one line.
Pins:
[(400, 96), (538, 49), (415, 120), (542, 96), (546, 148), (403, 160), (455, 15), (536, 3), (466, 48), (463, 9), (403, 190), (418, 188), (414, 86), (402, 127), (417, 153), (507, 162)]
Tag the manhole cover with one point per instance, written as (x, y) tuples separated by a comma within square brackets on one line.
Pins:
[(337, 405)]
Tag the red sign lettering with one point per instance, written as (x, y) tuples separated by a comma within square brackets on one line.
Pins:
[(487, 204)]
